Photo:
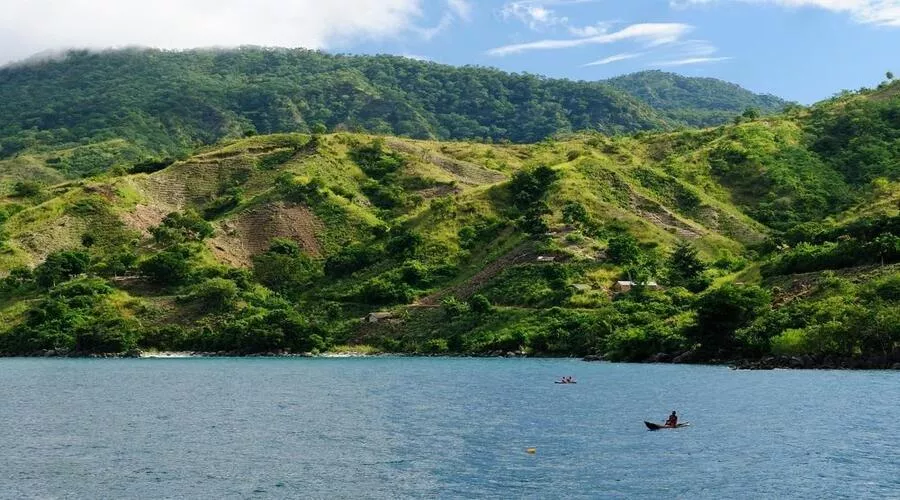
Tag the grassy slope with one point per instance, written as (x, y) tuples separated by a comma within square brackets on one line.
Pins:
[(662, 187), (469, 173)]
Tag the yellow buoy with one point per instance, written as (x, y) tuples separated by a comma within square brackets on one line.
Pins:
[(531, 450)]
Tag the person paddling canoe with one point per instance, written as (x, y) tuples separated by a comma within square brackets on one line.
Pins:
[(672, 420)]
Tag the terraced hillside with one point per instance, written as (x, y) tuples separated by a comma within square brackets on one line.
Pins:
[(285, 241)]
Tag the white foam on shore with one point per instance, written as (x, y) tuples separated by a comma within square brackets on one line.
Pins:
[(165, 355)]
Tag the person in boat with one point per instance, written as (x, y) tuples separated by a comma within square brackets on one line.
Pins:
[(672, 420)]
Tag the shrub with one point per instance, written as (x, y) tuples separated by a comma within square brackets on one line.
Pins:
[(167, 268), (435, 346), (385, 291), (623, 249), (727, 261), (217, 294), (232, 198), (181, 228), (386, 197), (375, 161), (307, 192), (351, 258), (722, 311), (453, 307), (284, 268), (479, 304), (19, 280), (888, 288), (574, 213), (60, 267), (404, 245), (529, 187), (27, 189), (791, 342), (640, 343)]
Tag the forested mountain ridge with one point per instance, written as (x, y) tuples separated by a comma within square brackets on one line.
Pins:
[(696, 102), (770, 235), (165, 103)]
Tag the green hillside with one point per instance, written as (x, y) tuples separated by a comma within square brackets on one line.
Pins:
[(696, 102), (166, 103), (774, 235)]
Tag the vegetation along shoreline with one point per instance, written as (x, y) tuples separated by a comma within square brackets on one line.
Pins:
[(804, 362), (296, 205)]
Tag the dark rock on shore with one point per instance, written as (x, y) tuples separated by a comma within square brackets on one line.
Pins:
[(662, 357), (592, 357), (808, 362), (688, 357)]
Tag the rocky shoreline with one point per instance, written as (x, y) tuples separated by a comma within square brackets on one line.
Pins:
[(804, 362), (808, 362)]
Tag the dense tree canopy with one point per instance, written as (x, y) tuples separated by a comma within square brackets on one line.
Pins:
[(163, 103)]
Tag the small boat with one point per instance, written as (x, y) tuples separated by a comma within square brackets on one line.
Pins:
[(656, 427), (560, 382)]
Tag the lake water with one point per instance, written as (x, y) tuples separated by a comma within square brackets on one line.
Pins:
[(448, 428)]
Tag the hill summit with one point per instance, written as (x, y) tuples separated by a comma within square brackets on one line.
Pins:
[(167, 102)]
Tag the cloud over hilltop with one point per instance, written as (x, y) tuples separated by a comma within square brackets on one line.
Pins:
[(39, 25)]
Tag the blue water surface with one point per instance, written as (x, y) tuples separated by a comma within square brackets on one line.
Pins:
[(440, 428)]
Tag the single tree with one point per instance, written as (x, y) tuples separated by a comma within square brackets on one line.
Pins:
[(623, 250), (889, 75), (685, 267)]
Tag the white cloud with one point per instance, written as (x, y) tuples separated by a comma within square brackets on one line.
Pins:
[(690, 52), (694, 48), (881, 12), (456, 10), (593, 30), (533, 13), (691, 60), (37, 25), (616, 58), (461, 9), (650, 33), (428, 33)]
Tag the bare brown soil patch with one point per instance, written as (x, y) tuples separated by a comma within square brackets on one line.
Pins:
[(144, 217), (251, 232)]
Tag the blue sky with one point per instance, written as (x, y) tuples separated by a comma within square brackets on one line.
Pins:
[(801, 53), (802, 50)]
